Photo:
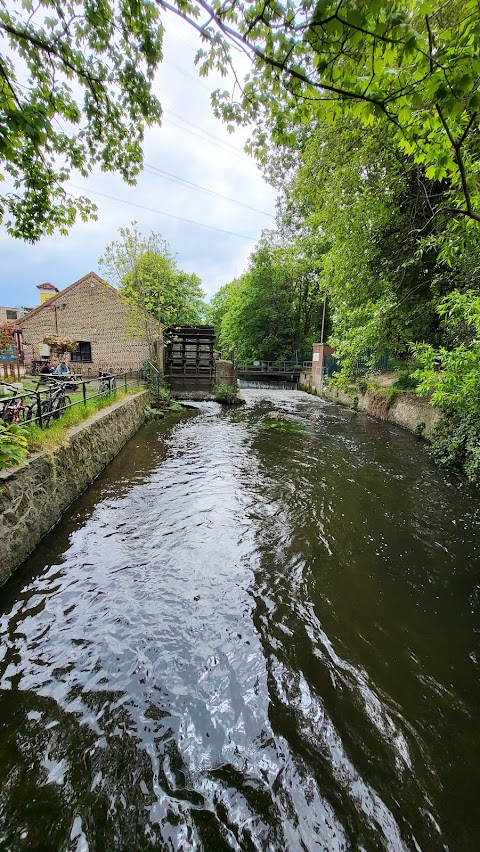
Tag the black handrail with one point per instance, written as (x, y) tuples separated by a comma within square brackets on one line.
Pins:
[(19, 406)]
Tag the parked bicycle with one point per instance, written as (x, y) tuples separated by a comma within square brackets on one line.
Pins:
[(16, 408), (56, 402), (106, 383)]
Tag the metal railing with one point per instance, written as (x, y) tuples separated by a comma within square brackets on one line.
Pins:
[(268, 367), (155, 380), (54, 395)]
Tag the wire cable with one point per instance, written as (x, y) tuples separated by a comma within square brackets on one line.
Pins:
[(206, 132), (187, 74), (192, 185), (162, 212)]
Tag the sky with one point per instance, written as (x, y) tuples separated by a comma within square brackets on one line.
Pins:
[(190, 144)]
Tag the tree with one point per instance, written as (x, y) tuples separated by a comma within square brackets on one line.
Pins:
[(274, 309), (183, 303), (217, 308), (451, 378), (413, 66), (145, 271), (75, 91)]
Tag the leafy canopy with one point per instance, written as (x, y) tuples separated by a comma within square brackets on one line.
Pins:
[(145, 270), (411, 64), (75, 91), (274, 309), (450, 377)]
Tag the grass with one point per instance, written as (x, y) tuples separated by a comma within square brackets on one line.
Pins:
[(280, 425), (47, 440), (225, 393)]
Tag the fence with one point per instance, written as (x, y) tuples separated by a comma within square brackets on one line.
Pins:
[(268, 367), (370, 361), (54, 395)]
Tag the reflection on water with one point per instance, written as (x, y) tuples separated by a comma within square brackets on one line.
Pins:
[(240, 639)]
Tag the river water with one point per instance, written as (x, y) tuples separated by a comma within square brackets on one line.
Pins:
[(244, 639)]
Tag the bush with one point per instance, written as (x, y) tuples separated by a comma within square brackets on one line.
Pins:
[(225, 393), (451, 378), (13, 445), (405, 381), (456, 443)]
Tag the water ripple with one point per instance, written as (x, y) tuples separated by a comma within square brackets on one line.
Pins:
[(240, 640)]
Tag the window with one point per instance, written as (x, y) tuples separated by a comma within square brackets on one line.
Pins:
[(83, 352), (12, 315)]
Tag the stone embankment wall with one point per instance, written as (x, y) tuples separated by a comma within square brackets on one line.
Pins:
[(225, 372), (406, 410), (34, 496)]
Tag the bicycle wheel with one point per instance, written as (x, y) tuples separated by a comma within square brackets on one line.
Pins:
[(31, 414), (60, 406), (6, 414), (46, 411)]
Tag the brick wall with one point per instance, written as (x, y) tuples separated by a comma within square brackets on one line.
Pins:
[(90, 311)]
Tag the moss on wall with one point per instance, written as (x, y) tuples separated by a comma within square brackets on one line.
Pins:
[(33, 497)]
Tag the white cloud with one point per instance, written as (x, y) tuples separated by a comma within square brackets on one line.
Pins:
[(180, 149)]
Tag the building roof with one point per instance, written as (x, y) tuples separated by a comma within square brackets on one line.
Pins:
[(47, 286), (46, 306)]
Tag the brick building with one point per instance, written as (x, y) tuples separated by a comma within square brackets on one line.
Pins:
[(110, 335)]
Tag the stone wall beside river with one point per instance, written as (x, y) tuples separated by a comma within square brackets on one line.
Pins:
[(34, 496), (406, 410)]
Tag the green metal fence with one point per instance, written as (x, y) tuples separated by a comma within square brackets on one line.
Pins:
[(371, 361)]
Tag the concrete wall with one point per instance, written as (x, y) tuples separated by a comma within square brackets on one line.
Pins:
[(34, 496), (406, 410), (310, 382)]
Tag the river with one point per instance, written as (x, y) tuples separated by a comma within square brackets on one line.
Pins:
[(247, 639)]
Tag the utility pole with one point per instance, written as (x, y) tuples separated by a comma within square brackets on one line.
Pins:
[(321, 343)]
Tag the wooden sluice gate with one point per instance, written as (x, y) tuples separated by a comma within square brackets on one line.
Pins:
[(189, 358)]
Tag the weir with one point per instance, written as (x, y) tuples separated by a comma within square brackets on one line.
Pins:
[(263, 384), (264, 374)]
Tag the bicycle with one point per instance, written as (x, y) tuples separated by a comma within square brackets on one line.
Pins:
[(13, 408), (56, 403), (107, 383)]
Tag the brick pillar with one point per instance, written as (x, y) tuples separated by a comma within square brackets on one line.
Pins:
[(320, 350)]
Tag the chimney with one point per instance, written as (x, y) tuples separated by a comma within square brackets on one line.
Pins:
[(47, 290)]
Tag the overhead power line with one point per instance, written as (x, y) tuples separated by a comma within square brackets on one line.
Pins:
[(162, 212), (206, 132), (192, 185), (218, 142), (187, 74)]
